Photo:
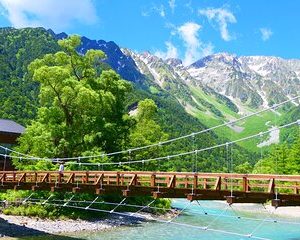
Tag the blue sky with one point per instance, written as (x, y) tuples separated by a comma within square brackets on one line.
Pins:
[(188, 29)]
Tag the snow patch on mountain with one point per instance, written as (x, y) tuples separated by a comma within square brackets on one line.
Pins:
[(272, 139)]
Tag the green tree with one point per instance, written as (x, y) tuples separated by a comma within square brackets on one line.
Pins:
[(82, 106), (146, 132), (282, 159), (19, 47), (244, 168), (293, 160)]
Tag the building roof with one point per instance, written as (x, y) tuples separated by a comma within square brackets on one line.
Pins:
[(10, 127)]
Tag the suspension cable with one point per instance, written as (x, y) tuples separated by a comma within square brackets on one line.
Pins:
[(205, 228), (275, 106), (170, 156)]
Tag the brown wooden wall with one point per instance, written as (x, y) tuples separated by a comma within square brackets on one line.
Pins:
[(8, 164), (9, 138)]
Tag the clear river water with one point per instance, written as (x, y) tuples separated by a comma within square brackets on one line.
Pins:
[(222, 222)]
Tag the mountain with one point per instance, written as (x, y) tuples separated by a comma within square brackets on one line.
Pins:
[(223, 87), (240, 82), (213, 90), (253, 81), (256, 81), (19, 94), (121, 63), (19, 47)]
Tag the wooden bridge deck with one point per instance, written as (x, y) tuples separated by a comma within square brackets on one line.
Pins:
[(282, 190)]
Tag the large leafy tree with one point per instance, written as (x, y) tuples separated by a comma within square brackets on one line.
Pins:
[(145, 132), (82, 106)]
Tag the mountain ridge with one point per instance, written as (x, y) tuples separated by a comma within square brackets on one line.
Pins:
[(216, 89), (245, 80)]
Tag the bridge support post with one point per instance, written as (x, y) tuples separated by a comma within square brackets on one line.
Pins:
[(230, 199), (276, 203), (100, 191)]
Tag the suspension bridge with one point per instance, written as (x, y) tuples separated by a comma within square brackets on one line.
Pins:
[(281, 190)]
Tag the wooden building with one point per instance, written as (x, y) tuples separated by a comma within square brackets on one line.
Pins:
[(9, 133)]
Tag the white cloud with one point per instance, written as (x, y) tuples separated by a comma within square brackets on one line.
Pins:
[(145, 14), (159, 9), (189, 6), (266, 33), (172, 5), (195, 48), (222, 16), (54, 14), (171, 52)]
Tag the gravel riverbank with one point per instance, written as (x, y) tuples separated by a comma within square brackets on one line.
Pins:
[(17, 226), (20, 226)]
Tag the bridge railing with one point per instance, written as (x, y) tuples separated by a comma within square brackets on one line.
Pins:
[(203, 181)]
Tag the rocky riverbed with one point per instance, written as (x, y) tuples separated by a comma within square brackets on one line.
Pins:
[(17, 226), (20, 226)]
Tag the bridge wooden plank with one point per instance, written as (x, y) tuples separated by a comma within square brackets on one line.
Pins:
[(218, 184), (133, 180), (22, 178), (71, 178), (172, 182), (3, 176), (99, 180), (271, 187), (46, 178)]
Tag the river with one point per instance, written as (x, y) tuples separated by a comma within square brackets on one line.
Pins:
[(230, 223)]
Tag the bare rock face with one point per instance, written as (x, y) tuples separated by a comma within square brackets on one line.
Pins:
[(255, 80)]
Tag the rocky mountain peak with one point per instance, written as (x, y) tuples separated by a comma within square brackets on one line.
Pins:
[(175, 62)]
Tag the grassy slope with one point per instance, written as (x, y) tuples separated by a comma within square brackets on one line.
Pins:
[(252, 125)]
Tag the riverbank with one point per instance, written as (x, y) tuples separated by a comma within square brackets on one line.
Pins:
[(12, 227), (18, 226), (286, 212)]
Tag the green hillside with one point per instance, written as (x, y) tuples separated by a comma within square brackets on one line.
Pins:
[(212, 111)]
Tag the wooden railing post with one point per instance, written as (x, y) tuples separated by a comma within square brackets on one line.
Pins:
[(205, 183), (218, 184), (271, 188), (59, 177), (3, 177), (245, 184), (118, 179), (296, 189), (186, 182), (172, 182), (153, 182), (122, 179), (87, 177), (35, 177), (46, 178), (71, 179), (195, 183), (133, 180)]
